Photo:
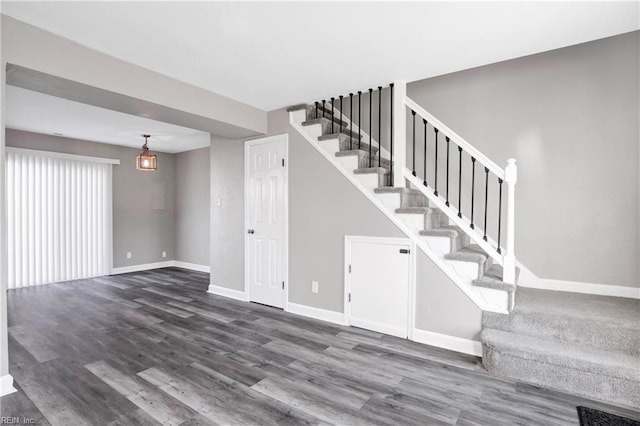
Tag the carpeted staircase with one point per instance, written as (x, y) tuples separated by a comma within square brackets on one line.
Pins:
[(428, 222), (584, 344)]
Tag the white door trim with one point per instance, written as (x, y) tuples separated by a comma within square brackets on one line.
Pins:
[(285, 268), (348, 240)]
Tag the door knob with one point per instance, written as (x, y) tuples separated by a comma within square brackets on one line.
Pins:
[(250, 231)]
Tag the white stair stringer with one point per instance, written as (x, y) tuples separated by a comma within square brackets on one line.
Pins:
[(485, 299)]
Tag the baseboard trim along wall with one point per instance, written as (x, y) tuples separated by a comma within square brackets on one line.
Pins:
[(586, 288), (6, 385), (156, 265), (316, 313), (142, 267), (228, 292), (191, 266), (445, 341)]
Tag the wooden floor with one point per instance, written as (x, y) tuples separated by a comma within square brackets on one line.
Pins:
[(154, 348)]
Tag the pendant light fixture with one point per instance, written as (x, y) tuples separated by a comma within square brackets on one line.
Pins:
[(144, 160)]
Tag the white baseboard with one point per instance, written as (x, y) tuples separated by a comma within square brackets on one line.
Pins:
[(228, 292), (6, 385), (156, 265), (458, 344), (316, 313), (191, 266), (580, 287), (143, 267)]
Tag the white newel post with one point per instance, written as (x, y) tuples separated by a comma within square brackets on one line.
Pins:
[(399, 133), (510, 178)]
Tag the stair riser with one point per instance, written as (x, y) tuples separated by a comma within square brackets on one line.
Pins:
[(435, 220), (470, 270), (373, 180), (563, 378), (415, 222), (585, 333), (440, 245)]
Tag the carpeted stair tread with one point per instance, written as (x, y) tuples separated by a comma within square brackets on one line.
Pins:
[(443, 231), (417, 210), (366, 170), (612, 310), (396, 190), (344, 137), (607, 363), (470, 253), (364, 157), (495, 284), (325, 120)]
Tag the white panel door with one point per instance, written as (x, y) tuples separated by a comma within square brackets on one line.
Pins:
[(266, 220), (379, 286)]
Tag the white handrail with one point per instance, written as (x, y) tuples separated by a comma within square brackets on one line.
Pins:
[(457, 139)]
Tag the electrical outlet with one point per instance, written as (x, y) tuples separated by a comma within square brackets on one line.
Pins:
[(314, 286), (164, 254), (128, 255)]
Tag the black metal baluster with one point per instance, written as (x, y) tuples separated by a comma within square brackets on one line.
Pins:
[(370, 120), (460, 182), (447, 202), (473, 187), (499, 213), (359, 117), (323, 108), (486, 200), (350, 120), (413, 170), (379, 126), (340, 113), (435, 188), (424, 181), (332, 113), (391, 132), (317, 105)]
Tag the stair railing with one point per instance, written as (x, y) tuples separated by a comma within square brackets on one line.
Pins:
[(402, 144), (439, 195)]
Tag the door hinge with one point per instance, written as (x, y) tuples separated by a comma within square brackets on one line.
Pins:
[(349, 297), (349, 268), (405, 251), (283, 285), (283, 162)]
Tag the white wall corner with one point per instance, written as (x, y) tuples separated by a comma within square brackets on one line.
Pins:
[(457, 344), (6, 385), (317, 313), (228, 292), (192, 266)]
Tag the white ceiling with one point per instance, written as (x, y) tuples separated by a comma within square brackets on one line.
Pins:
[(40, 113), (271, 55)]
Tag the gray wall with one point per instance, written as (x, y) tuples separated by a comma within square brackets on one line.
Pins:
[(136, 227), (192, 206), (324, 207), (227, 219), (570, 118)]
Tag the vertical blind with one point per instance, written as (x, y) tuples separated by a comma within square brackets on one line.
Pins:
[(58, 217)]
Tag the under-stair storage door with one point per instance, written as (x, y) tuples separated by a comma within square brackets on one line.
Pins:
[(379, 284), (265, 217)]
